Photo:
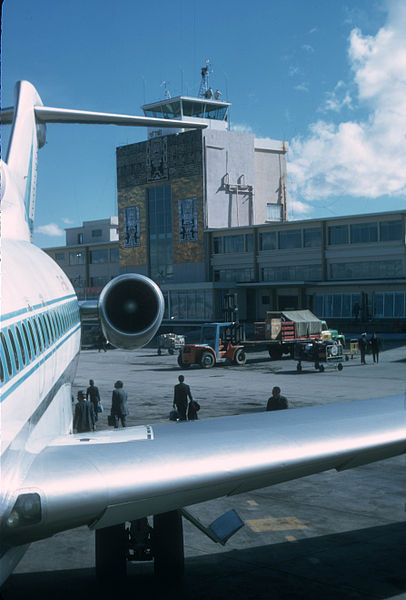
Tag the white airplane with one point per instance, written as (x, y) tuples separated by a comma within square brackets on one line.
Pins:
[(53, 480)]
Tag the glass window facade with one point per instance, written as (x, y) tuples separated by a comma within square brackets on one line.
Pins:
[(381, 269), (160, 233), (336, 305), (363, 233), (338, 234), (98, 257), (218, 245), (292, 273), (76, 258), (189, 304), (390, 231), (312, 237), (290, 238), (390, 304), (268, 240), (233, 275)]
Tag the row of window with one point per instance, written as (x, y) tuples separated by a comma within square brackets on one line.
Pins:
[(194, 304), (381, 305), (96, 257), (292, 273), (310, 237), (380, 269), (22, 342), (231, 275)]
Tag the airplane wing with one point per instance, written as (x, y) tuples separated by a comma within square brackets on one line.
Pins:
[(108, 477)]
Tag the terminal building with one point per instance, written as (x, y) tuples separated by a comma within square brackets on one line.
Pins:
[(203, 213)]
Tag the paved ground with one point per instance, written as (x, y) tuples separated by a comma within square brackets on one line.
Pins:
[(328, 536)]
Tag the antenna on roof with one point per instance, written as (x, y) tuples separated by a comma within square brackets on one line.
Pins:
[(165, 85), (204, 90)]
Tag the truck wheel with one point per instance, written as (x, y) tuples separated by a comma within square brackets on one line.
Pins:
[(207, 360), (340, 367), (182, 364), (240, 357)]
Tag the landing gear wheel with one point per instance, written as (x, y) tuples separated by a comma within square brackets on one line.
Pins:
[(299, 368), (110, 547), (340, 367), (182, 364), (240, 357), (207, 360), (169, 558), (321, 368)]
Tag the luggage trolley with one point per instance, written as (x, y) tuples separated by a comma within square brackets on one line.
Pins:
[(319, 352)]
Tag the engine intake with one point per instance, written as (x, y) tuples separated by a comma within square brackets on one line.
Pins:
[(131, 308)]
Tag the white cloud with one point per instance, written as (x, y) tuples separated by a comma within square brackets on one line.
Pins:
[(242, 128), (52, 230), (302, 87), (338, 98), (364, 158), (308, 48), (67, 221)]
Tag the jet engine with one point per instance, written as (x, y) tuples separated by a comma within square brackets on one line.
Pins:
[(131, 308)]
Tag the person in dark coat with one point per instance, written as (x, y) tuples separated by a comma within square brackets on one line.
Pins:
[(84, 419), (92, 394), (119, 409), (375, 347), (192, 410), (276, 401), (181, 394), (363, 347)]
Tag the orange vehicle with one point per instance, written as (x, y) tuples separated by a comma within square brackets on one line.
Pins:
[(216, 346)]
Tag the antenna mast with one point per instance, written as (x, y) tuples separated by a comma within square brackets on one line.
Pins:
[(204, 90)]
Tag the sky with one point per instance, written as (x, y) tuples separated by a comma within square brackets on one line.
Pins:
[(326, 76)]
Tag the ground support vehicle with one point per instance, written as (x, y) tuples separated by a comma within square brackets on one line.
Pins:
[(217, 345), (353, 350), (171, 342), (281, 330), (319, 352), (332, 334)]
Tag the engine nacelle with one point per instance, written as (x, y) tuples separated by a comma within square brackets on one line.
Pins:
[(131, 308)]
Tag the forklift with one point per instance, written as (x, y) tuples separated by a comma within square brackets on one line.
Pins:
[(219, 342)]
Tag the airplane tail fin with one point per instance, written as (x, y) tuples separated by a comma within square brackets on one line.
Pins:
[(20, 171)]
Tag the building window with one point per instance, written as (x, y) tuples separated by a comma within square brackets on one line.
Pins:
[(292, 273), (114, 256), (160, 233), (80, 238), (96, 233), (234, 244), (336, 305), (390, 231), (189, 304), (390, 304), (99, 256), (274, 212), (218, 245), (234, 275), (312, 237), (76, 258), (59, 256), (363, 233), (382, 269), (249, 242), (131, 225), (290, 238), (268, 240), (187, 220), (338, 234)]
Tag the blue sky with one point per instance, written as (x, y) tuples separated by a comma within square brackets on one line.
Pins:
[(327, 76)]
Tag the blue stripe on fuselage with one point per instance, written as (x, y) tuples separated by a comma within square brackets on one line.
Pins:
[(22, 311)]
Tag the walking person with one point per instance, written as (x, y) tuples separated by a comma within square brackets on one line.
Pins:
[(363, 343), (180, 397), (374, 341), (84, 419), (92, 394), (101, 343), (119, 408), (276, 401)]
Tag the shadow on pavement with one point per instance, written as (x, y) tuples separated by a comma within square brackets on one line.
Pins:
[(362, 564)]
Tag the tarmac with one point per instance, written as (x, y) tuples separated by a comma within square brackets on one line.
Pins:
[(327, 536)]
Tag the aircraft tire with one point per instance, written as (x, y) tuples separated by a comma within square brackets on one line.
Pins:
[(110, 554), (169, 556), (207, 360), (240, 358)]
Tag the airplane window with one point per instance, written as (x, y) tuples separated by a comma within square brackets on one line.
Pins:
[(41, 326), (52, 318), (14, 347), (58, 322), (27, 341), (6, 353), (32, 336), (21, 345), (47, 329), (1, 371), (39, 338)]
